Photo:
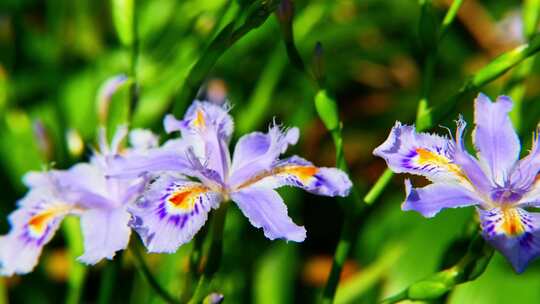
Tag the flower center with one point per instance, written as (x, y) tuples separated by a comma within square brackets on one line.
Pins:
[(506, 195)]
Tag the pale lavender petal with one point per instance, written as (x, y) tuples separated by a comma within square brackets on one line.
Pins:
[(153, 160), (468, 164), (32, 226), (265, 209), (298, 172), (432, 198), (256, 152), (494, 136), (514, 232), (171, 211), (525, 174), (86, 185), (406, 151), (105, 232)]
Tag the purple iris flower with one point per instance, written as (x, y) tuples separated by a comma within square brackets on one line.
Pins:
[(83, 190), (498, 183), (195, 173)]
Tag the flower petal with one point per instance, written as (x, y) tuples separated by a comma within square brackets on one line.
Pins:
[(298, 172), (208, 128), (105, 232), (494, 136), (256, 152), (432, 198), (32, 226), (514, 232), (171, 211), (265, 209), (406, 151)]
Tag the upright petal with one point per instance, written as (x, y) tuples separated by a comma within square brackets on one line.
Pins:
[(525, 173), (514, 232), (432, 198), (256, 152), (105, 232), (208, 128), (32, 226), (406, 151), (171, 211), (298, 172), (494, 136), (468, 164), (265, 209)]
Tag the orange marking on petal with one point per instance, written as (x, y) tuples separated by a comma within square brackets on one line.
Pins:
[(184, 199), (199, 121), (304, 173), (512, 224), (39, 222), (426, 157)]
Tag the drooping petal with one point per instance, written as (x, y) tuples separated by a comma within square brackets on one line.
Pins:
[(171, 211), (406, 151), (32, 226), (105, 232), (265, 209), (255, 153), (432, 198), (494, 136), (514, 232), (298, 172)]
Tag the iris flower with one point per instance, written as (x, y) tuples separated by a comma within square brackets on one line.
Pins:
[(194, 174), (500, 185), (82, 190)]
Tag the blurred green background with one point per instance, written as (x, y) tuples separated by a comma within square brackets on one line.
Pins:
[(56, 54)]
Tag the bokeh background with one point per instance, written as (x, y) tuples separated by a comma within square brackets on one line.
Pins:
[(55, 56)]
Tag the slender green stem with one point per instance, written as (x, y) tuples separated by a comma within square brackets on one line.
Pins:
[(378, 187), (77, 273), (449, 17), (214, 254), (3, 292), (257, 14), (108, 278), (194, 264), (145, 272)]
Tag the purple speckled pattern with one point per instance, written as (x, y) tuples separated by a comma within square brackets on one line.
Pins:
[(496, 182)]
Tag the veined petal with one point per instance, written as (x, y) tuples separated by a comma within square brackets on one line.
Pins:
[(32, 226), (298, 172), (265, 209), (256, 152), (207, 128), (406, 151), (105, 232), (525, 173), (514, 232), (171, 211), (432, 198), (166, 158), (494, 136)]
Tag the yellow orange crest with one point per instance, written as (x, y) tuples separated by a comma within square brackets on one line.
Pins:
[(426, 157), (303, 173), (199, 121), (184, 199), (511, 222)]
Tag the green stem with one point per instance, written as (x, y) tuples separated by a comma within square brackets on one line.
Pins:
[(214, 254), (145, 272), (3, 292), (449, 18), (378, 187), (108, 277), (77, 273), (194, 263), (134, 60), (257, 14)]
